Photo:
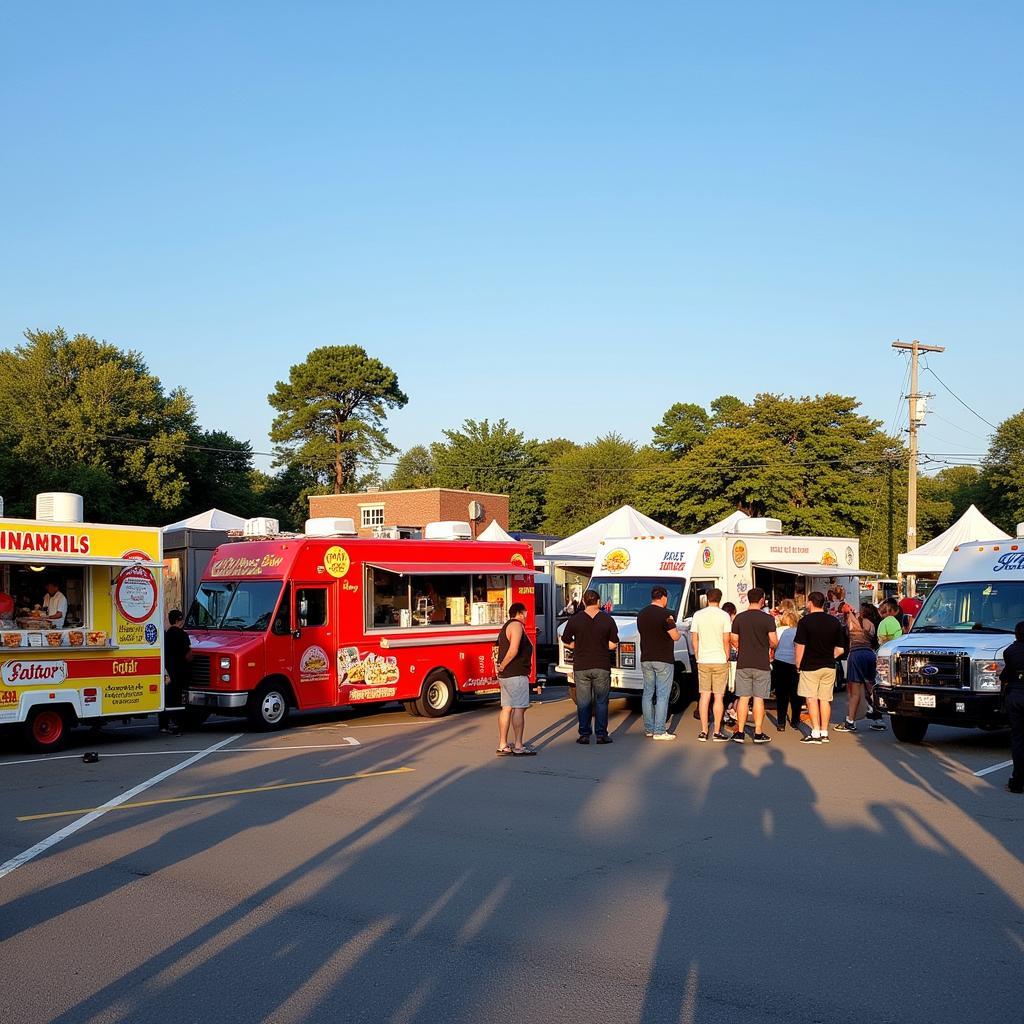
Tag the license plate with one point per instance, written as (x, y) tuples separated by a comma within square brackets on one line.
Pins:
[(924, 700)]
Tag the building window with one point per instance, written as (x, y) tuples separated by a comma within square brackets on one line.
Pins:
[(371, 515)]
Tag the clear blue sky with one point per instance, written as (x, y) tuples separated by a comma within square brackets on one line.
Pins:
[(567, 214)]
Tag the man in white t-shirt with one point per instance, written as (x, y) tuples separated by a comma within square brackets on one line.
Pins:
[(709, 631), (55, 606)]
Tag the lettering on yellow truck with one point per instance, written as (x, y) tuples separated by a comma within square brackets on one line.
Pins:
[(125, 668)]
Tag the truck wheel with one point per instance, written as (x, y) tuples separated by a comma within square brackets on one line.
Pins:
[(909, 730), (410, 706), (438, 695), (268, 707), (46, 730)]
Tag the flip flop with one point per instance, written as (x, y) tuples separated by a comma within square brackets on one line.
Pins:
[(504, 751), (525, 752)]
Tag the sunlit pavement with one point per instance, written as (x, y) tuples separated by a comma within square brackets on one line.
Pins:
[(375, 867)]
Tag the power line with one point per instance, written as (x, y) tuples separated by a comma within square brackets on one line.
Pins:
[(973, 412)]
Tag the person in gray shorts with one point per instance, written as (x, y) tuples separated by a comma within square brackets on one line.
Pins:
[(754, 637), (513, 664)]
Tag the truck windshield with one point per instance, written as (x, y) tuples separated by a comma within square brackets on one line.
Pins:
[(983, 607), (225, 604), (629, 597)]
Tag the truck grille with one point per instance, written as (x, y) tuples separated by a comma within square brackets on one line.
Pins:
[(934, 669), (199, 669)]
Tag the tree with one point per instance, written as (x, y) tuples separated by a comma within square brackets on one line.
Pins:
[(591, 480), (331, 412), (219, 471), (284, 495), (683, 426), (84, 415), (1003, 474), (414, 470), (497, 459)]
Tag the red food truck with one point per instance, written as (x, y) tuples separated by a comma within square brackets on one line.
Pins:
[(303, 623)]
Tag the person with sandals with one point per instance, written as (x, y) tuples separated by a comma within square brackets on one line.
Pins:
[(515, 659)]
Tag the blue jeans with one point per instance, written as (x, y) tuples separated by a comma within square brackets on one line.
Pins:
[(657, 687), (592, 686)]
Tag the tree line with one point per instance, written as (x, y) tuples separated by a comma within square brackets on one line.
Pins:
[(84, 415)]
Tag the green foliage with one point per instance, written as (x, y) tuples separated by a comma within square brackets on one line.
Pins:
[(1002, 478), (683, 426), (331, 412), (414, 470), (284, 495), (495, 458)]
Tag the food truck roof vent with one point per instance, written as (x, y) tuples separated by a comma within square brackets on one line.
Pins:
[(759, 524), (330, 526), (449, 529), (59, 507), (261, 526)]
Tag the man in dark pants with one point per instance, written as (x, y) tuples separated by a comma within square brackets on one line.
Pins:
[(1012, 678), (591, 635), (177, 655)]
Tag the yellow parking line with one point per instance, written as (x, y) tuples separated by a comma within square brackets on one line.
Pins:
[(227, 792)]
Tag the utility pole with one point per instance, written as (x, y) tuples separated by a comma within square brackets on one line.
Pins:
[(917, 410)]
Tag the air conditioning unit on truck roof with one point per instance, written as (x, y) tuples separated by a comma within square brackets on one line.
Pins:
[(329, 526), (262, 526), (447, 530), (759, 525)]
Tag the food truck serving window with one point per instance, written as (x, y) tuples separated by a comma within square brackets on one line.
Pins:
[(416, 600), (43, 599), (225, 604)]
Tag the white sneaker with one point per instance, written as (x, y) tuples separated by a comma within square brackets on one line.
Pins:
[(664, 736)]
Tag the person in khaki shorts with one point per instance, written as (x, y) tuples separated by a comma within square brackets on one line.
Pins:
[(818, 643), (709, 631)]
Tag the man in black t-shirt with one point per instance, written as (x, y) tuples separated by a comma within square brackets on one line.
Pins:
[(177, 655), (754, 636), (656, 627), (592, 636), (818, 643)]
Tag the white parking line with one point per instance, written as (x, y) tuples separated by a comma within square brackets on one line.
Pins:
[(348, 741), (86, 819), (994, 768)]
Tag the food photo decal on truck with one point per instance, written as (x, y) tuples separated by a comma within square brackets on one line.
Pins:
[(617, 560), (829, 558), (313, 664), (373, 670)]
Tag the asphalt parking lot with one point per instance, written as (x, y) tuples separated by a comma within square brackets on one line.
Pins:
[(369, 866)]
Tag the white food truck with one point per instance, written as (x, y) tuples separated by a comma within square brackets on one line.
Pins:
[(946, 669), (755, 554)]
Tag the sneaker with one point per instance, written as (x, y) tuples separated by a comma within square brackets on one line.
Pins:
[(810, 738), (702, 736), (874, 716), (664, 736), (648, 734), (720, 737), (823, 738), (877, 726), (738, 737), (846, 726), (762, 737)]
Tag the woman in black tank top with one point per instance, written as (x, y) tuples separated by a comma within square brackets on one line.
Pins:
[(515, 659)]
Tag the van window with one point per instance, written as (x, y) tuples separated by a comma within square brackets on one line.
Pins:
[(698, 597), (311, 606)]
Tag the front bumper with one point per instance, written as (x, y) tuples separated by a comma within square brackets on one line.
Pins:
[(212, 699), (952, 706)]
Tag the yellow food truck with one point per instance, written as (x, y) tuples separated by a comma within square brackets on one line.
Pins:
[(81, 621)]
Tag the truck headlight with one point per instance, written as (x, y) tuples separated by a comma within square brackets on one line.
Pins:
[(985, 675), (883, 671), (627, 655), (225, 663)]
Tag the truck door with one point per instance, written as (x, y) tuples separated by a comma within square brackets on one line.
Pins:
[(316, 684)]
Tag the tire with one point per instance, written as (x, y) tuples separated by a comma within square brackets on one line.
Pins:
[(908, 730), (684, 689), (438, 696), (46, 730), (269, 706), (410, 707)]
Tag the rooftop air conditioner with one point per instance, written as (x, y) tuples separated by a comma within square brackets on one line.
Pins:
[(329, 526), (759, 525), (261, 526), (59, 507), (1020, 531), (447, 530)]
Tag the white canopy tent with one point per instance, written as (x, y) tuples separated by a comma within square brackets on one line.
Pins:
[(494, 532), (623, 522), (728, 524), (931, 557), (211, 519)]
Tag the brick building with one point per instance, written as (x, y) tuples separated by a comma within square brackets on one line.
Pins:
[(409, 509)]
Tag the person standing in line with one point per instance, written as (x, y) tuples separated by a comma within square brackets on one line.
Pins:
[(592, 636), (710, 631), (656, 627), (889, 628), (818, 644), (177, 655), (515, 659), (754, 636), (1012, 678), (730, 711), (787, 700), (860, 667)]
